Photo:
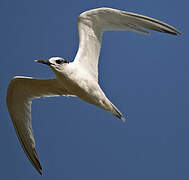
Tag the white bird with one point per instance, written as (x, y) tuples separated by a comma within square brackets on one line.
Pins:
[(78, 78)]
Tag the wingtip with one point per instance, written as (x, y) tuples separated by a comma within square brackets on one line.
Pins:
[(175, 33), (37, 163), (179, 33), (123, 119), (39, 169), (40, 172)]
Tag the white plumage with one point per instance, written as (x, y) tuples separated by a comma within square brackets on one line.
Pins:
[(78, 78)]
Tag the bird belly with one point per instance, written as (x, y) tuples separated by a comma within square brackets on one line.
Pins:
[(85, 88), (89, 91)]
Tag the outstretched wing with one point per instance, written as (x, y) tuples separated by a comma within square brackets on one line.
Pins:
[(20, 93), (92, 23)]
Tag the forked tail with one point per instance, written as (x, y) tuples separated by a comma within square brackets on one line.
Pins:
[(117, 113)]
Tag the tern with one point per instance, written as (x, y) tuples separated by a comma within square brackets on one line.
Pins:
[(78, 78)]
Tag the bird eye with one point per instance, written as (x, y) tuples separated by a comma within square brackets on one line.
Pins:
[(59, 61)]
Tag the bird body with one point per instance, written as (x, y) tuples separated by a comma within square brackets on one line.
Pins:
[(78, 78), (78, 81)]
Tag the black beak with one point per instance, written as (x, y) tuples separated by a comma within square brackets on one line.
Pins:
[(43, 62)]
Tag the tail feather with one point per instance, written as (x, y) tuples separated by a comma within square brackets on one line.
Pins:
[(117, 113)]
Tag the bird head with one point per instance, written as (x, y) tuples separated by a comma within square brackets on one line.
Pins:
[(56, 63)]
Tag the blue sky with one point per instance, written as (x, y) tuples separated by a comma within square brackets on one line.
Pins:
[(146, 77)]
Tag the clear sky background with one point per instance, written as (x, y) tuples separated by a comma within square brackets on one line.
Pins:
[(146, 77)]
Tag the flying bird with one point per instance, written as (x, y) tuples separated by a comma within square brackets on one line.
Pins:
[(78, 78)]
